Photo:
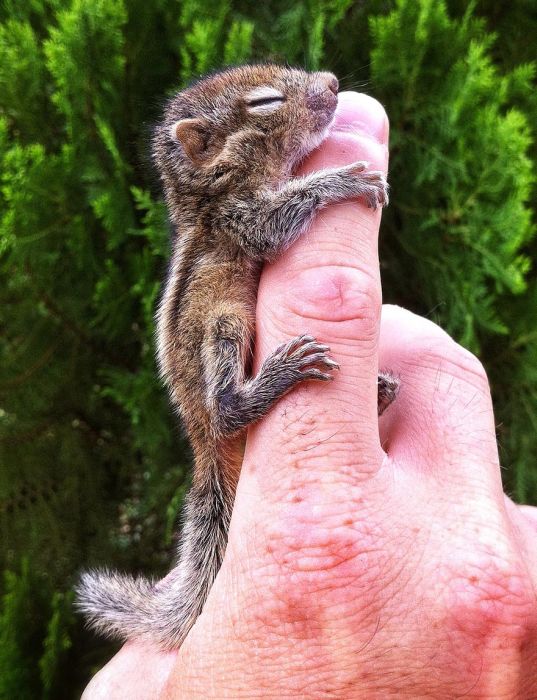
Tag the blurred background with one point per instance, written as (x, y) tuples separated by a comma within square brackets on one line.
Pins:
[(93, 466)]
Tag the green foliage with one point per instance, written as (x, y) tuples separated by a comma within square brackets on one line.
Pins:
[(212, 37), (92, 465), (16, 628), (21, 75), (463, 226), (57, 641), (28, 614), (456, 137)]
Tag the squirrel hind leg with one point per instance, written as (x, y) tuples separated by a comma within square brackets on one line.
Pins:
[(236, 402)]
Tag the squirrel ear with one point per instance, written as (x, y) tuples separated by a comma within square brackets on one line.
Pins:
[(193, 135)]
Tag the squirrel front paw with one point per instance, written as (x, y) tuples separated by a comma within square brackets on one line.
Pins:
[(370, 184)]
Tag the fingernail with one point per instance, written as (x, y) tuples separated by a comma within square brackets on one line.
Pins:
[(362, 114)]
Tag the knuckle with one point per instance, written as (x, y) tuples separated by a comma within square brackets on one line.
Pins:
[(423, 343), (464, 361), (435, 350), (489, 597), (337, 294), (323, 551)]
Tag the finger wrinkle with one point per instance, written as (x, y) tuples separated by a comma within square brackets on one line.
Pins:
[(315, 265), (442, 369), (340, 248), (320, 451), (348, 459), (336, 293), (343, 147)]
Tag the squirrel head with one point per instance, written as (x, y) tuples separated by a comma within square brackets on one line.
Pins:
[(252, 119)]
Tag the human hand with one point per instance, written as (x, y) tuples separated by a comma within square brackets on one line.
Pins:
[(362, 562)]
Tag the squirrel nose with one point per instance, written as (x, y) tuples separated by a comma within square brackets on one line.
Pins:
[(331, 82), (333, 85)]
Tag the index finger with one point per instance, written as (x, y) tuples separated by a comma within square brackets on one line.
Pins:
[(328, 285)]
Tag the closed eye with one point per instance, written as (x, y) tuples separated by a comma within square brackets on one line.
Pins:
[(263, 100)]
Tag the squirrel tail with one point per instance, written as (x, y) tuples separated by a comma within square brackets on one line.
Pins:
[(117, 605), (124, 607)]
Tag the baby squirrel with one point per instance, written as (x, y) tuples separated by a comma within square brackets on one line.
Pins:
[(226, 150)]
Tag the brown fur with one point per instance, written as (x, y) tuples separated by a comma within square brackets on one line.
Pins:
[(225, 151)]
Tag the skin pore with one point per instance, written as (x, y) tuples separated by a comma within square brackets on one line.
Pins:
[(366, 558)]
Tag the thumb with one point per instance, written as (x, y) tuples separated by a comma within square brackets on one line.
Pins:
[(328, 285)]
